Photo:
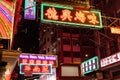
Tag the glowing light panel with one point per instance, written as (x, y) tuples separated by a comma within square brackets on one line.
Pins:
[(90, 65), (30, 9), (115, 30), (36, 68), (60, 14)]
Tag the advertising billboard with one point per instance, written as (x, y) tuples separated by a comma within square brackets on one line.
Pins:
[(67, 15), (38, 59)]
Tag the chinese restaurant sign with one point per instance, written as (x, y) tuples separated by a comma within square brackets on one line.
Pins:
[(38, 59), (90, 65), (30, 9), (54, 13), (110, 60), (36, 68)]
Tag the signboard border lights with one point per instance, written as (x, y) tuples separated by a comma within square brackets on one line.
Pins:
[(59, 16)]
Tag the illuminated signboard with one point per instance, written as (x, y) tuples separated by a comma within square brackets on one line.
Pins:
[(36, 68), (115, 30), (7, 10), (30, 9), (90, 65), (110, 60), (60, 14), (38, 59)]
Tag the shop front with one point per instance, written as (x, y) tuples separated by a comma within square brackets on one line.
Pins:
[(8, 62)]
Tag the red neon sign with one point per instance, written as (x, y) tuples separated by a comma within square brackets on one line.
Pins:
[(68, 15), (36, 69), (110, 60)]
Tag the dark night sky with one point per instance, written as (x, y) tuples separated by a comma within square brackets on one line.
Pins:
[(27, 37)]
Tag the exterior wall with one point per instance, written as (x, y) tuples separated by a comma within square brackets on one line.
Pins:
[(91, 42), (107, 7)]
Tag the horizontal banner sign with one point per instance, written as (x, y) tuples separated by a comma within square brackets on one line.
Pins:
[(115, 30), (38, 59), (30, 10), (35, 68), (59, 14)]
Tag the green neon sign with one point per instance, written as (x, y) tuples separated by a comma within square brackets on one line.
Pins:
[(90, 65), (61, 14)]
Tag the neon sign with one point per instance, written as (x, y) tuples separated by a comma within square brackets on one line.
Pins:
[(90, 65), (110, 60), (30, 9), (38, 59), (6, 18), (68, 15), (36, 68), (115, 30)]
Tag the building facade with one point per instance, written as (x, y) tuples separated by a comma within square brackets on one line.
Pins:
[(75, 45)]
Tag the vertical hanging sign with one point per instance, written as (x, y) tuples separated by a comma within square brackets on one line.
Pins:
[(30, 10)]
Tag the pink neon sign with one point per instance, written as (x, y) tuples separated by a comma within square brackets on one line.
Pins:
[(38, 59), (110, 59), (35, 69)]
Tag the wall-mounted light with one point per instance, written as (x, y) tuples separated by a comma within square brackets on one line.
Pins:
[(86, 55)]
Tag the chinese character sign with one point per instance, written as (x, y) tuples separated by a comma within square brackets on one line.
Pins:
[(36, 68), (38, 59), (90, 65), (30, 9), (68, 15), (110, 60)]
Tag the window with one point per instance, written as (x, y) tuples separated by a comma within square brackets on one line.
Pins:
[(66, 41), (76, 54), (67, 54), (75, 31), (66, 30), (76, 43)]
